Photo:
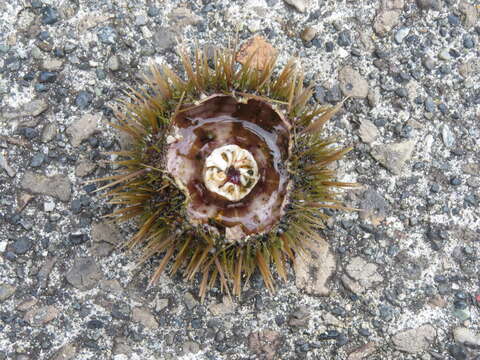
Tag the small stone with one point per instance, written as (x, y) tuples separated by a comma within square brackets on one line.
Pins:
[(101, 74), (106, 232), (83, 128), (299, 318), (265, 344), (360, 275), (429, 105), (455, 181), (182, 16), (33, 108), (314, 267), (319, 94), (344, 38), (48, 206), (153, 11), (6, 290), (299, 5), (76, 238), (144, 317), (401, 92), (45, 271), (57, 186), (393, 156), (466, 336), (190, 301), (52, 64), (373, 97), (69, 47), (374, 207), (260, 49), (4, 165), (41, 316), (428, 63), (164, 39), (39, 87), (458, 352), (385, 21), (352, 83), (27, 304), (47, 77), (114, 63), (223, 308), (453, 20), (83, 99), (401, 34), (471, 13), (37, 160), (160, 304), (22, 246), (84, 167), (190, 347), (414, 340), (84, 274), (363, 351), (140, 20), (461, 314), (50, 15), (107, 35), (368, 131), (121, 347), (101, 249), (444, 54), (48, 133), (334, 94), (447, 136), (438, 301), (468, 42), (427, 4), (471, 169), (111, 286), (308, 34), (66, 352)]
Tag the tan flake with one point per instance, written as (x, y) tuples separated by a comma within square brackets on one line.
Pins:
[(260, 50)]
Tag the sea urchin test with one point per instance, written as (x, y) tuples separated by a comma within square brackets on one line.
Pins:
[(228, 172), (230, 158)]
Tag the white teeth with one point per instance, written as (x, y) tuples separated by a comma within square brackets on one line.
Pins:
[(233, 158)]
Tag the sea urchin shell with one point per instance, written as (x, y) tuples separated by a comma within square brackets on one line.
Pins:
[(254, 140), (229, 169)]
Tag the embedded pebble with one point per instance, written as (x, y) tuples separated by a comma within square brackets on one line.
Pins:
[(415, 340), (84, 127), (313, 270), (401, 34), (57, 185), (447, 136), (352, 83), (385, 21), (6, 290), (299, 5), (84, 274), (394, 156)]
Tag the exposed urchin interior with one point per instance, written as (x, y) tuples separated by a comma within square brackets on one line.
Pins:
[(229, 171)]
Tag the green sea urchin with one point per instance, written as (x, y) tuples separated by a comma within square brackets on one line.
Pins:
[(229, 168)]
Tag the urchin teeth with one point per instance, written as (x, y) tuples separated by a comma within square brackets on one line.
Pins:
[(230, 172)]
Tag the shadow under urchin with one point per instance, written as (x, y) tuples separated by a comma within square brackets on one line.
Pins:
[(228, 171)]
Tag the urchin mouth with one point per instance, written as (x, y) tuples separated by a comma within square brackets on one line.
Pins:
[(230, 172)]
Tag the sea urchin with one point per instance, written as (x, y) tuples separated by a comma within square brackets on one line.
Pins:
[(229, 168)]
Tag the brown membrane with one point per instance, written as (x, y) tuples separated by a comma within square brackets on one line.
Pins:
[(254, 126)]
